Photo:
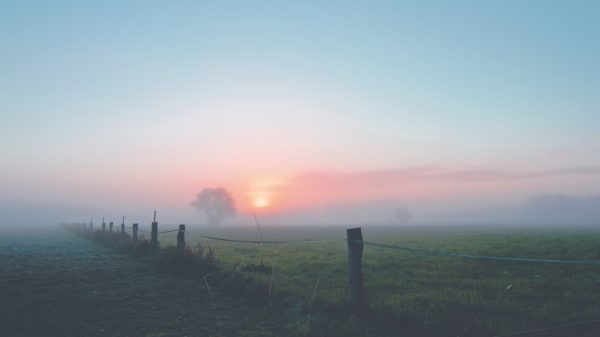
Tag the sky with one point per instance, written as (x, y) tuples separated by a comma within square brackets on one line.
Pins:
[(307, 112)]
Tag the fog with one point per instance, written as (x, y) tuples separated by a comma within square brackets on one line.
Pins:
[(216, 207), (563, 209)]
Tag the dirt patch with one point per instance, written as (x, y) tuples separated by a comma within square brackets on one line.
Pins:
[(58, 284)]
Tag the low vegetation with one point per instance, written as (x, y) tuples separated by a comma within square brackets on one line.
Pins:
[(196, 262), (408, 294), (416, 295)]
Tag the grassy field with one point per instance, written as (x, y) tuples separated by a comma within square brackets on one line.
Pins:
[(73, 286), (417, 295), (55, 283)]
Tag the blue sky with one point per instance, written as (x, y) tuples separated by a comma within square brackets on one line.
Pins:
[(220, 93)]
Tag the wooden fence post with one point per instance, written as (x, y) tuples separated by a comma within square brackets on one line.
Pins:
[(181, 238), (355, 277), (134, 232), (154, 234), (110, 226), (123, 227)]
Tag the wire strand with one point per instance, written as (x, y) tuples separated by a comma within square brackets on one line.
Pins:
[(424, 251)]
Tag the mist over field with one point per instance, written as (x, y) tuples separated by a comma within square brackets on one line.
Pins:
[(299, 168), (545, 210)]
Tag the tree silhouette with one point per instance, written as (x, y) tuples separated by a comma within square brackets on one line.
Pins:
[(216, 203)]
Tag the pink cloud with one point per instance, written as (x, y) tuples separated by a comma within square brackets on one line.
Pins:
[(317, 188)]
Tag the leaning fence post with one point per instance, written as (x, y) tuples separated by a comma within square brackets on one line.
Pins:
[(355, 277), (110, 226), (154, 234), (181, 238), (134, 232)]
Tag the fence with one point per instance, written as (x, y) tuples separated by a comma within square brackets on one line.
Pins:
[(355, 247)]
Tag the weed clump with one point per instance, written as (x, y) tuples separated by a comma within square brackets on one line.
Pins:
[(195, 262), (170, 259)]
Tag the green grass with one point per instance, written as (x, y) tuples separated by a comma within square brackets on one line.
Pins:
[(416, 295), (408, 294)]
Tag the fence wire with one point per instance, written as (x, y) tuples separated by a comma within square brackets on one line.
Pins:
[(431, 252), (259, 242), (422, 251)]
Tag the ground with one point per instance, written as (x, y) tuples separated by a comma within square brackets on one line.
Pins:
[(54, 283)]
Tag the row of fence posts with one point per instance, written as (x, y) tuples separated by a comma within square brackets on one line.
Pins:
[(353, 237), (134, 233)]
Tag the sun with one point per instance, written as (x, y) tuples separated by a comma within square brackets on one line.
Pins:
[(262, 193), (261, 201)]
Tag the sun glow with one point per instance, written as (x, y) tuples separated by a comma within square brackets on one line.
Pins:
[(261, 201), (262, 192)]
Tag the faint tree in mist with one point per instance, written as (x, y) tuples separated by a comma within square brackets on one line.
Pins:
[(216, 203)]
